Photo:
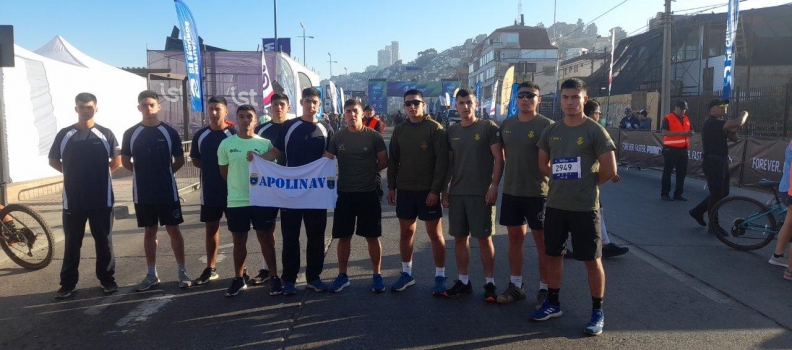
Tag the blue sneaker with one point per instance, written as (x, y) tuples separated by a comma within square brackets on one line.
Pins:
[(594, 327), (377, 284), (317, 285), (405, 280), (340, 282), (546, 312), (439, 286), (289, 289)]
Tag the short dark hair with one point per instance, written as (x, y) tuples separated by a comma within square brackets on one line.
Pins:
[(85, 97), (574, 83), (147, 94), (311, 92), (413, 92), (353, 102), (681, 104), (367, 108), (465, 92), (529, 85), (246, 107), (590, 107), (279, 96), (218, 99)]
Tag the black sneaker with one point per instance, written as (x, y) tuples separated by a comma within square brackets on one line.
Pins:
[(611, 249), (262, 277), (680, 198), (277, 286), (110, 287), (208, 274), (698, 218), (64, 293), (458, 289), (489, 293), (237, 284)]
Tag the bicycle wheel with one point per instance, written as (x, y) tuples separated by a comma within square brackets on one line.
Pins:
[(743, 223), (27, 239)]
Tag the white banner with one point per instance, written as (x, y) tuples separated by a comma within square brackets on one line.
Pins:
[(311, 186)]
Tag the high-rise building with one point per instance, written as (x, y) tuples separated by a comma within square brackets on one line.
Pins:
[(383, 58), (395, 52)]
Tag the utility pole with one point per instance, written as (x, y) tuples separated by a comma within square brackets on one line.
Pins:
[(665, 88), (275, 23)]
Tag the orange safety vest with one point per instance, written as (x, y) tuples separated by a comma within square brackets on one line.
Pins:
[(374, 123), (674, 125)]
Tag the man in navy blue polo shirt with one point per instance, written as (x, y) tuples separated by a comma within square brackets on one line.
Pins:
[(214, 191), (302, 141), (152, 151), (86, 153)]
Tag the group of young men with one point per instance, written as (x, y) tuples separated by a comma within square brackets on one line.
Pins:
[(552, 172)]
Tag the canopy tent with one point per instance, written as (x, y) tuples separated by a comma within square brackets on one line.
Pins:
[(38, 100)]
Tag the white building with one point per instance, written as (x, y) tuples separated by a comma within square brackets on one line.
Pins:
[(395, 52), (384, 58)]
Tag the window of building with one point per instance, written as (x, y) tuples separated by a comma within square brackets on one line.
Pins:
[(511, 37)]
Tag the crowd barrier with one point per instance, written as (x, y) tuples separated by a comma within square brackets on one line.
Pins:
[(188, 177), (750, 159)]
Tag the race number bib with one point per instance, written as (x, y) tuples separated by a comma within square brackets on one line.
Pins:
[(566, 168)]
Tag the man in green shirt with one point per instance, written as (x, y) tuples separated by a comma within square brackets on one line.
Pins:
[(417, 168), (476, 157), (524, 190), (578, 155), (361, 154), (233, 156)]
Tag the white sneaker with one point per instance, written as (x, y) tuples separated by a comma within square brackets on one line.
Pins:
[(778, 261), (148, 282), (184, 280)]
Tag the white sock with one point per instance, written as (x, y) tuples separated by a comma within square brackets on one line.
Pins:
[(264, 265), (516, 280), (152, 270), (440, 271), (490, 280), (603, 230), (407, 267), (542, 285), (464, 279)]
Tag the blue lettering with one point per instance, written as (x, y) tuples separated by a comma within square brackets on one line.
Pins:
[(280, 183), (303, 183), (313, 183), (321, 182)]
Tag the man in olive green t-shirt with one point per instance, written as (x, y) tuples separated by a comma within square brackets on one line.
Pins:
[(578, 155), (361, 155), (524, 190), (476, 158)]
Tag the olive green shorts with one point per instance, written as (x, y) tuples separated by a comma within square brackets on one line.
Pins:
[(470, 215)]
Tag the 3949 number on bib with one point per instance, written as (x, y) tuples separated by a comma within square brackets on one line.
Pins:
[(566, 168)]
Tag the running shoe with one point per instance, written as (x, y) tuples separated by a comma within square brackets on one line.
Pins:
[(597, 322), (237, 284), (439, 286), (148, 282), (339, 283), (277, 287), (511, 294), (289, 288), (489, 292), (546, 312), (64, 293), (377, 284), (184, 280), (787, 275), (405, 280), (208, 274), (780, 261), (262, 277), (458, 289), (317, 285), (611, 249), (110, 287)]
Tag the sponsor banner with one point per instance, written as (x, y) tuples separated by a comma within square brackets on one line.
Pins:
[(284, 45), (506, 90), (378, 95), (321, 110), (513, 110), (494, 97), (731, 33), (192, 55), (640, 149), (764, 159), (266, 82), (428, 89), (450, 88), (311, 186)]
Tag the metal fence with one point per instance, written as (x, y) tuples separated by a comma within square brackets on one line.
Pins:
[(188, 178)]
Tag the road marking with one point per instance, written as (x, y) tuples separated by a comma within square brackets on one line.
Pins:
[(104, 303), (144, 310), (220, 255)]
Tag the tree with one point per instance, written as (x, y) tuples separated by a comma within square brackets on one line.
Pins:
[(591, 30), (620, 33), (540, 25)]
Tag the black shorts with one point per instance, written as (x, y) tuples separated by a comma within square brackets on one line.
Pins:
[(412, 204), (211, 213), (363, 207), (240, 218), (584, 226), (519, 210), (166, 214)]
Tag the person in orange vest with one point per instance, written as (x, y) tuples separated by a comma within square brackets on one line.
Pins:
[(371, 120), (676, 141)]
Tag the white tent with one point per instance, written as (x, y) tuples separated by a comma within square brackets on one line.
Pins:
[(38, 100)]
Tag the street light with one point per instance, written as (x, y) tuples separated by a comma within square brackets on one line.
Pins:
[(305, 61), (331, 64), (346, 72)]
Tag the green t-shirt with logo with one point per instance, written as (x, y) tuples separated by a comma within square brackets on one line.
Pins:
[(473, 160), (573, 163), (357, 158), (521, 174), (233, 153)]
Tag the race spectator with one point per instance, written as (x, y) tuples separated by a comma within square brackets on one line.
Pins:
[(629, 121), (644, 123)]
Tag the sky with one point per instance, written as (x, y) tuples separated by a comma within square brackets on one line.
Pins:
[(352, 31)]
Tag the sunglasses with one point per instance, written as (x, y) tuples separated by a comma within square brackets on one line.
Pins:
[(414, 103), (526, 94), (723, 105)]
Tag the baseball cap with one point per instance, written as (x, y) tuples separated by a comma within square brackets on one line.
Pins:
[(681, 104), (716, 102), (628, 110), (367, 108), (644, 112)]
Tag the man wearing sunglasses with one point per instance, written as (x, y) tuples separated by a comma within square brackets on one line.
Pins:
[(417, 165), (524, 189), (714, 136)]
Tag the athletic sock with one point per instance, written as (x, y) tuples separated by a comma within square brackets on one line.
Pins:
[(490, 280), (552, 296), (542, 285), (516, 280), (407, 267), (596, 303), (440, 271), (152, 270), (464, 279), (264, 266)]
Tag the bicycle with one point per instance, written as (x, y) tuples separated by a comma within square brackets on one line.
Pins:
[(745, 223), (26, 237)]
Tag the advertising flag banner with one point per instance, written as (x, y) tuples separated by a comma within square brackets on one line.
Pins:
[(192, 55), (378, 95), (494, 95), (478, 94), (731, 33), (506, 90), (266, 82), (513, 111), (610, 71)]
